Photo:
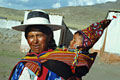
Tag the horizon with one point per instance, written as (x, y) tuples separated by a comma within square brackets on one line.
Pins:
[(30, 4)]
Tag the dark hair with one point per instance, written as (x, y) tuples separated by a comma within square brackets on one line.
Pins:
[(78, 32), (46, 30)]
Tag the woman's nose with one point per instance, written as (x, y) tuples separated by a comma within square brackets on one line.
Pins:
[(35, 40)]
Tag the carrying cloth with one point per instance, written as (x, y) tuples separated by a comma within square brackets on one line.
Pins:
[(60, 61)]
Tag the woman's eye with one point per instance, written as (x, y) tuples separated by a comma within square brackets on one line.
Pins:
[(39, 35), (30, 36)]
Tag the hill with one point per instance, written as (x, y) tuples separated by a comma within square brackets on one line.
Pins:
[(77, 16), (11, 13), (82, 16)]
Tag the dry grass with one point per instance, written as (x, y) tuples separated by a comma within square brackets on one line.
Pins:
[(106, 57), (9, 56), (11, 14), (110, 58)]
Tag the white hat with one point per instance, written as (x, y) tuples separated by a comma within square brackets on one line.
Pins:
[(37, 17)]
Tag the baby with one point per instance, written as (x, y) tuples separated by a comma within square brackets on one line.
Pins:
[(86, 38)]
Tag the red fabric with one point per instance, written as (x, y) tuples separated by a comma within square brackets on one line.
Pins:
[(114, 17), (92, 33), (68, 58), (44, 73), (30, 53)]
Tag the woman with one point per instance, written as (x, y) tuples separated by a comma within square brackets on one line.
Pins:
[(46, 62), (39, 34)]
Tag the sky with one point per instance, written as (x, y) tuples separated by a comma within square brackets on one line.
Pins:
[(47, 4)]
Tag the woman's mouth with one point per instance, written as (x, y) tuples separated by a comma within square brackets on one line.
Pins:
[(36, 46)]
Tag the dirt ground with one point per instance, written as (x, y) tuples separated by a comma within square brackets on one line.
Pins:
[(10, 55), (103, 71)]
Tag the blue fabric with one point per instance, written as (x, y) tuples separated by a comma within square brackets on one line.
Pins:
[(42, 54), (53, 76), (17, 71)]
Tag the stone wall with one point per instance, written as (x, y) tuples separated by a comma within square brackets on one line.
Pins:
[(4, 23), (7, 34)]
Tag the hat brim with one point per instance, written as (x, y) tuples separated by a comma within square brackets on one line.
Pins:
[(22, 27)]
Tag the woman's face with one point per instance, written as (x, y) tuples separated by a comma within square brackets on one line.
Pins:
[(37, 41), (76, 42)]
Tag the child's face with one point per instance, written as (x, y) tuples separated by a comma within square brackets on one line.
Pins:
[(76, 42)]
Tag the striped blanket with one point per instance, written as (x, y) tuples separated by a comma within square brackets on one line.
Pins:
[(74, 58)]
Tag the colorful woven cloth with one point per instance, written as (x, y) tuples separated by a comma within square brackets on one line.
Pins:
[(80, 59), (58, 63), (92, 33), (30, 68)]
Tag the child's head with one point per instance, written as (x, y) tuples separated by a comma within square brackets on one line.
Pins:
[(80, 41), (77, 41)]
